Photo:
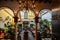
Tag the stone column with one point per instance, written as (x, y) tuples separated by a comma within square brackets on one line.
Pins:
[(36, 22), (15, 29)]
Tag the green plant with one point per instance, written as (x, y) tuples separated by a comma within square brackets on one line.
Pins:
[(46, 22)]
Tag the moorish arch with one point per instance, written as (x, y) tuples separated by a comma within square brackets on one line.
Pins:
[(26, 17), (6, 15), (6, 21), (45, 18)]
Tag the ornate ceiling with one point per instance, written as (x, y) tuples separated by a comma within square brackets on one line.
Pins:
[(38, 4)]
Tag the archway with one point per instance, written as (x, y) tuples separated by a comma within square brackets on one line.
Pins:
[(26, 16), (44, 25), (6, 22), (26, 19)]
